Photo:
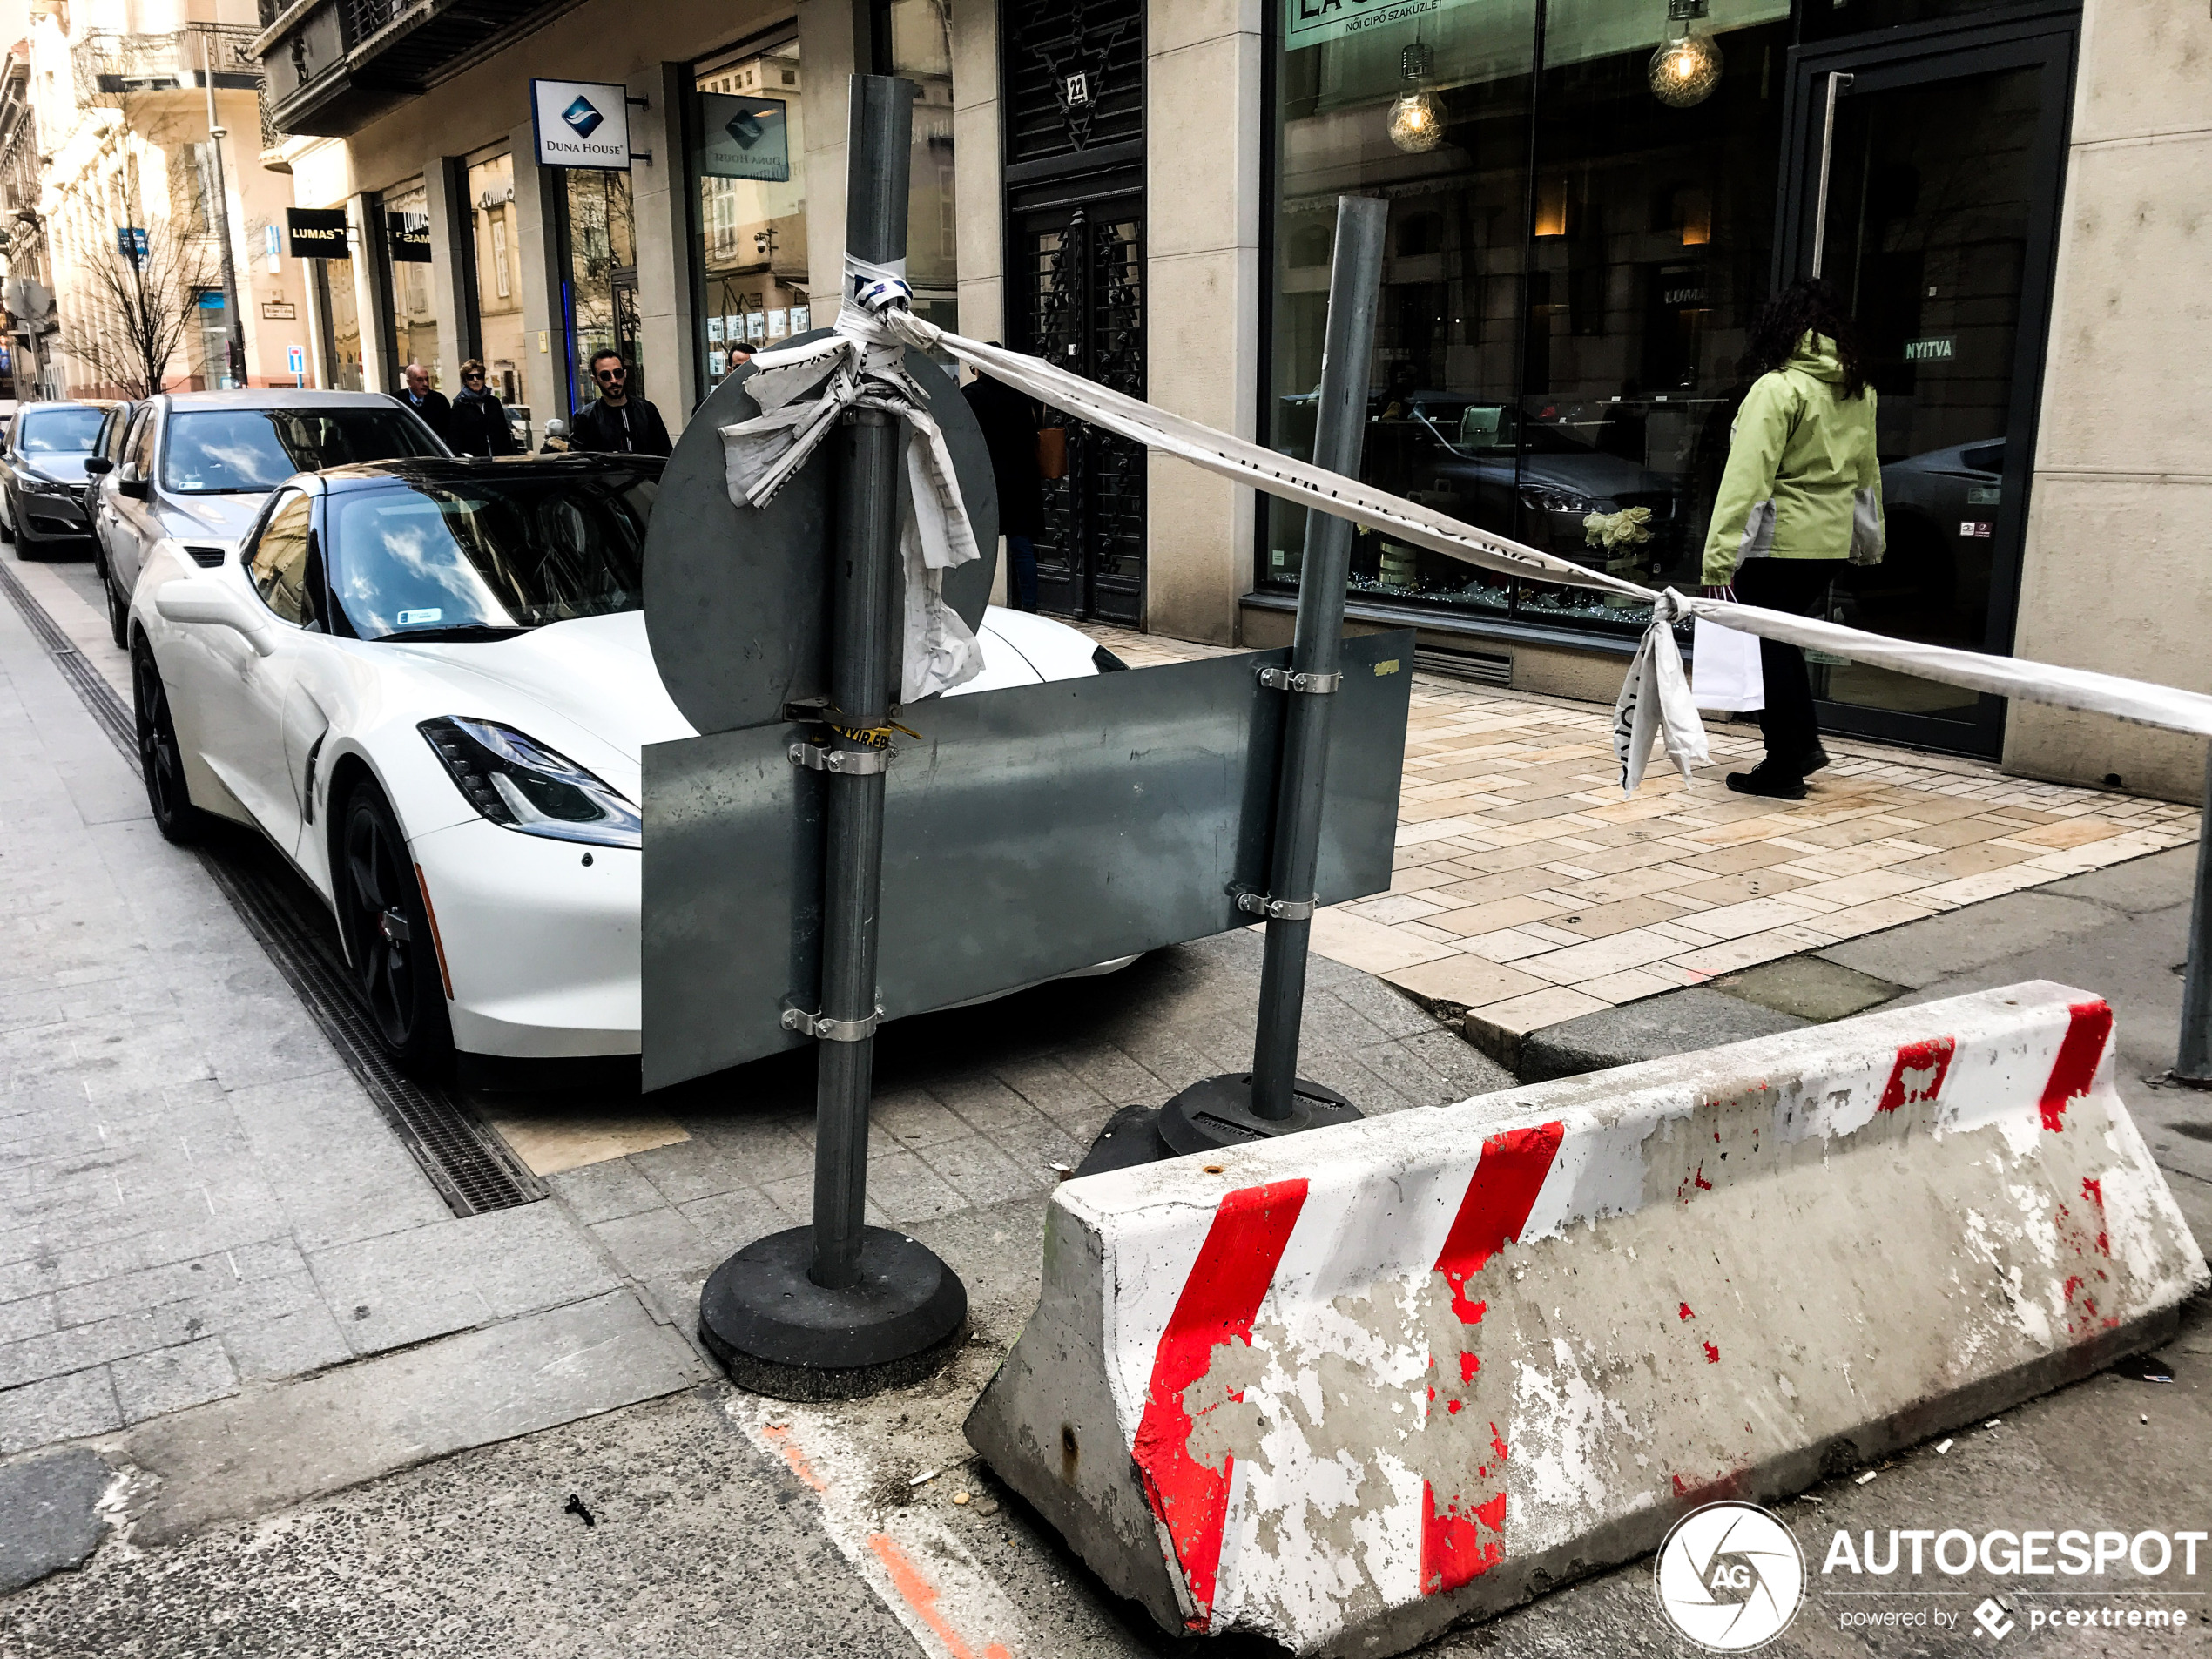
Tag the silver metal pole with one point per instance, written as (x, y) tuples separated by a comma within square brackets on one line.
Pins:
[(864, 665), (1340, 430), (1835, 85), (2194, 1063)]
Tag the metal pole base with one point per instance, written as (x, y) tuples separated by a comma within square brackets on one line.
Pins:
[(1217, 1112), (777, 1332)]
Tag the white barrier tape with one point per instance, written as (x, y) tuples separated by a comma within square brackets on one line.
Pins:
[(1344, 1388), (1245, 462)]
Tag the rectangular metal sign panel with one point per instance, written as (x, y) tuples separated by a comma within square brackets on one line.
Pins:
[(316, 232), (580, 124), (1029, 832)]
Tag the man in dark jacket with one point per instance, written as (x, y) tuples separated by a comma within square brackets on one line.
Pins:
[(479, 418), (431, 405), (617, 423), (1010, 422)]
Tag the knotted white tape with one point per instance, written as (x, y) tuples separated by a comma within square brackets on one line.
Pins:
[(803, 391)]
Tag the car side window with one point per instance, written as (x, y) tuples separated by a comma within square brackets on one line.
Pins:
[(139, 446), (279, 562)]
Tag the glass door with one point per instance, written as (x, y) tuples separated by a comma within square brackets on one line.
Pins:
[(1926, 179)]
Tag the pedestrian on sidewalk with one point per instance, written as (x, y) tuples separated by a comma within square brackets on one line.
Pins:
[(1800, 497), (427, 402), (1010, 421), (615, 422), (479, 418)]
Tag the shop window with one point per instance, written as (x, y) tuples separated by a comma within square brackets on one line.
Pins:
[(749, 258), (213, 318), (407, 255), (600, 278), (922, 51), (342, 327), (1572, 267), (499, 289)]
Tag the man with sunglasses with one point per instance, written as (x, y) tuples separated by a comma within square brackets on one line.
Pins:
[(479, 418), (617, 423)]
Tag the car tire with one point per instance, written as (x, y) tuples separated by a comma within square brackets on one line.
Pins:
[(7, 518), (388, 938), (118, 610), (161, 759)]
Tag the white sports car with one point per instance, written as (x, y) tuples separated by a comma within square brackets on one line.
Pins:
[(427, 683)]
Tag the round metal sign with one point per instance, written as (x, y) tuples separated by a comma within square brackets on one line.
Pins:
[(736, 597)]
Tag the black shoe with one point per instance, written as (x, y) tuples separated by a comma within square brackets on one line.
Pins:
[(1815, 758), (1767, 779)]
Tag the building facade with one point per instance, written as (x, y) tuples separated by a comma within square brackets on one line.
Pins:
[(1590, 200)]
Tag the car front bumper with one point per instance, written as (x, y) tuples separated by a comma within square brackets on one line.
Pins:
[(50, 518)]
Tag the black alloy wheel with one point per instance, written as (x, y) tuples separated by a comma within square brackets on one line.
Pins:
[(387, 935), (161, 761)]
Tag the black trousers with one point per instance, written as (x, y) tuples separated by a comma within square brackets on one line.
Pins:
[(1797, 586)]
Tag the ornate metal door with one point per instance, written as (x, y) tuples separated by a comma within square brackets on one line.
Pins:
[(1073, 98), (1087, 313)]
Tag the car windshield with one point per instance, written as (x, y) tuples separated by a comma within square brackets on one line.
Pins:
[(227, 452), (479, 559), (58, 432)]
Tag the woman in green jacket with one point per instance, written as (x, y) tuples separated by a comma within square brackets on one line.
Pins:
[(1801, 496)]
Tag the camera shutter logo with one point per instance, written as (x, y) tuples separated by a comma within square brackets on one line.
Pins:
[(583, 116), (1730, 1576)]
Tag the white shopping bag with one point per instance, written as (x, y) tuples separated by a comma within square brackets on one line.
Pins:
[(1724, 670)]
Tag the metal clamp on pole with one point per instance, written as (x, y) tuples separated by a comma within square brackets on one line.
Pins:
[(846, 763), (1284, 679), (1259, 904), (833, 1031)]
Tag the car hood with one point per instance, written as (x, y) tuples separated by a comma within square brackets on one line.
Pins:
[(210, 518), (62, 469), (1595, 476)]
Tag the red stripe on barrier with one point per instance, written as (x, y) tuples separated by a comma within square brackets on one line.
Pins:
[(2087, 1031), (1493, 1209), (1220, 1298), (1919, 1071)]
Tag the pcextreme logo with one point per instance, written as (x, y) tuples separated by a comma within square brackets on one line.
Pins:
[(1730, 1577)]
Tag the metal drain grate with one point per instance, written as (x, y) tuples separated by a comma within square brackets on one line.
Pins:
[(473, 1169), (1484, 668)]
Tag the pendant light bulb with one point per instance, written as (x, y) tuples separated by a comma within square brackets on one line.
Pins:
[(1685, 71), (1416, 123)]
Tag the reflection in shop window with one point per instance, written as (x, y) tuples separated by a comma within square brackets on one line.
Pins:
[(601, 240), (406, 232), (751, 259), (1558, 330), (342, 327), (922, 51), (499, 302)]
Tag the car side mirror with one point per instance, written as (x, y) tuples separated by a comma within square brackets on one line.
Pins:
[(98, 466), (205, 605)]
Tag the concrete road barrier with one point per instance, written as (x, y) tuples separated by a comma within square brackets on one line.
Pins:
[(1344, 1388)]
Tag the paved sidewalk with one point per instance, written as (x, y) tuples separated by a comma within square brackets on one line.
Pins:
[(1528, 892)]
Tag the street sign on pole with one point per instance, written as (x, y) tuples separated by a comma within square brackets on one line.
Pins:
[(295, 362), (131, 243)]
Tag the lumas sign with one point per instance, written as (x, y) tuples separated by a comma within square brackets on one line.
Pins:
[(1308, 23)]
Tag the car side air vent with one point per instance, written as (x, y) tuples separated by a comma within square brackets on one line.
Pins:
[(207, 556)]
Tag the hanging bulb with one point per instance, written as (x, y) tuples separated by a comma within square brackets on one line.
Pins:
[(1416, 122), (1685, 71)]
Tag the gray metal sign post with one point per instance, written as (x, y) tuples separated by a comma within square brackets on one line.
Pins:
[(1271, 1099), (841, 1308), (2192, 1064)]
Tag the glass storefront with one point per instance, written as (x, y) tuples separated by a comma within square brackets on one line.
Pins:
[(599, 279), (407, 257), (340, 309), (1571, 267), (499, 288), (749, 259)]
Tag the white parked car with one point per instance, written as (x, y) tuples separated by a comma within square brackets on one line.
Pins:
[(428, 684), (196, 468)]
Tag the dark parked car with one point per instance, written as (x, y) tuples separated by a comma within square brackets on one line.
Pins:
[(41, 476)]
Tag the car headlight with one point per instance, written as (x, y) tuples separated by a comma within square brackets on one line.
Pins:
[(39, 486), (519, 784), (1537, 499)]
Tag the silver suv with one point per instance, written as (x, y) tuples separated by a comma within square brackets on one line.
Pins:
[(196, 467)]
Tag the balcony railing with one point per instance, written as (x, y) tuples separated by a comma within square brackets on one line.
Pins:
[(336, 64), (109, 66)]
